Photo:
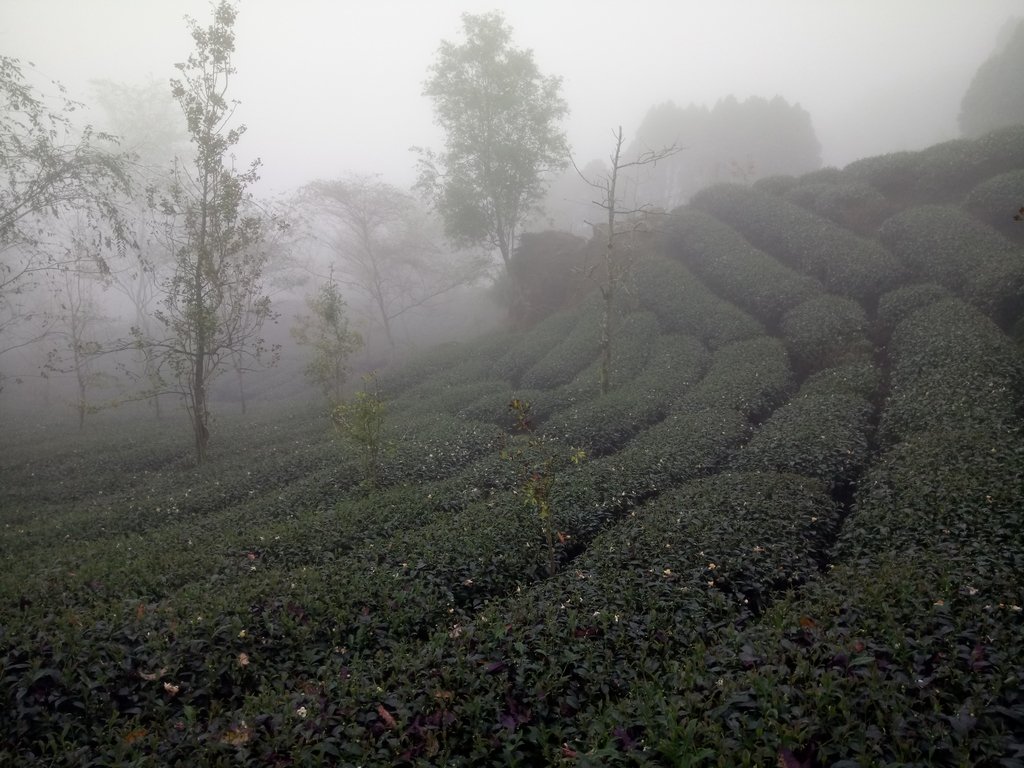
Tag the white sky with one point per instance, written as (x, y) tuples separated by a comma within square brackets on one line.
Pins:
[(330, 86)]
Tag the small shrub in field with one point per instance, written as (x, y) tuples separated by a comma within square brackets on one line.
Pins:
[(894, 174), (751, 376), (530, 347), (361, 421), (541, 463), (821, 436), (859, 376)]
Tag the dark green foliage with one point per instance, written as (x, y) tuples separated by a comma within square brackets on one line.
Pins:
[(844, 263), (684, 305), (736, 270), (633, 338), (452, 363), (744, 573), (896, 305), (775, 185), (996, 200), (749, 376), (852, 204), (602, 424), (525, 350), (824, 331), (860, 377), (948, 171), (943, 173), (952, 368), (952, 248), (573, 352), (820, 436)]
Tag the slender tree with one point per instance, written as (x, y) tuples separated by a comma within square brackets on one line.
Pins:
[(620, 221), (501, 118), (74, 333), (213, 304)]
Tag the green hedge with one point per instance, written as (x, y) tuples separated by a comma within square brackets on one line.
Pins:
[(750, 376), (684, 305), (571, 354), (852, 204), (860, 377), (949, 170), (528, 348), (952, 248), (539, 675), (820, 436), (449, 363), (601, 424), (942, 173), (897, 305), (951, 367), (844, 263), (776, 185), (824, 331), (894, 174), (996, 200), (633, 337), (734, 269)]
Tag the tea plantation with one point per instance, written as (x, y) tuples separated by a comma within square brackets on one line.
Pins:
[(797, 537)]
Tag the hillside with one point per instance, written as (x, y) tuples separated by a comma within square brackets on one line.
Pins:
[(797, 537)]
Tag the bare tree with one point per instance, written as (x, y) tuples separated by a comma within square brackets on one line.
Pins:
[(385, 248), (49, 168), (75, 331), (621, 220)]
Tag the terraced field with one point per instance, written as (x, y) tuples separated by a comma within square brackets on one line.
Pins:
[(797, 539)]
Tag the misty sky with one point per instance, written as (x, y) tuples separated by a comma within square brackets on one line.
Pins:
[(331, 86)]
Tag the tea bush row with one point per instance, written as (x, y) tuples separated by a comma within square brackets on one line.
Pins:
[(736, 270), (951, 367), (844, 263), (539, 675), (602, 424), (574, 352), (824, 331), (684, 304), (852, 204), (750, 376), (949, 246)]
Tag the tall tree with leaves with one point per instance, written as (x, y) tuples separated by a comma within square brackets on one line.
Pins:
[(213, 305), (501, 118)]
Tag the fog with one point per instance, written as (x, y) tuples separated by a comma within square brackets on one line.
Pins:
[(331, 87), (333, 91)]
